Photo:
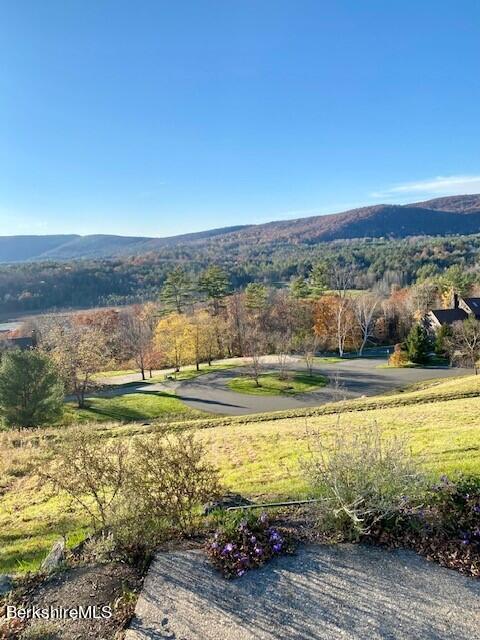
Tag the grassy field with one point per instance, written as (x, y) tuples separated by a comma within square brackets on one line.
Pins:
[(141, 405), (185, 373), (270, 384), (258, 456), (148, 405)]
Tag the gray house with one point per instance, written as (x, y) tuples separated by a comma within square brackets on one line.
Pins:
[(462, 308)]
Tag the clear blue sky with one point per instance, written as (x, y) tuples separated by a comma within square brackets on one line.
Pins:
[(156, 117)]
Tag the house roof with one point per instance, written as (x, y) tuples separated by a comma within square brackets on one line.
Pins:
[(473, 304), (447, 316), (22, 343)]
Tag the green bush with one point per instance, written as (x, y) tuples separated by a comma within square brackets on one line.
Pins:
[(31, 393)]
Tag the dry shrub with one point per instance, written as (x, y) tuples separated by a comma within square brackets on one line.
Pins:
[(171, 479), (138, 493), (20, 453), (91, 470), (362, 476), (398, 358)]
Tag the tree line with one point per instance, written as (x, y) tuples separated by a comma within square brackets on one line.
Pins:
[(34, 287), (198, 320)]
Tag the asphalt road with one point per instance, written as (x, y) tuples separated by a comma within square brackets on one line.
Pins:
[(348, 379), (321, 593)]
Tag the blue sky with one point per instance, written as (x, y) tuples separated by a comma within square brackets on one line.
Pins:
[(153, 117)]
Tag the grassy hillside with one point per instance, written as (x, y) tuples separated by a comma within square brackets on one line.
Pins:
[(257, 455)]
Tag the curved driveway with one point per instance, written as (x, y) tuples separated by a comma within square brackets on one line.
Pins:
[(348, 379)]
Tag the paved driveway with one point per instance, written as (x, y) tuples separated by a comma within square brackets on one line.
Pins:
[(348, 379), (321, 593)]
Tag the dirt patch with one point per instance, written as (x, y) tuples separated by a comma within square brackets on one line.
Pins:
[(112, 585)]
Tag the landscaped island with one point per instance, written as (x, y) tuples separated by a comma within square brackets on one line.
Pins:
[(276, 384)]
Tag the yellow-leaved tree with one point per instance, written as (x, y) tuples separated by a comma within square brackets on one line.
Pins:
[(175, 339)]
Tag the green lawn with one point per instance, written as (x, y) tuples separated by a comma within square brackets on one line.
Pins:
[(129, 407), (270, 384), (185, 373), (188, 373), (115, 373)]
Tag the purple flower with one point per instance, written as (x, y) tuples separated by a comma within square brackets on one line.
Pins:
[(277, 547), (240, 572), (253, 539), (214, 545), (274, 537), (476, 508), (228, 548), (258, 550), (465, 538)]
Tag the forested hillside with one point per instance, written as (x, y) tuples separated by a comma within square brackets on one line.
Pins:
[(442, 216), (32, 287)]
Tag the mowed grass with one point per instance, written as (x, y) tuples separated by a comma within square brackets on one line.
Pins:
[(260, 457), (147, 405), (271, 384), (186, 373)]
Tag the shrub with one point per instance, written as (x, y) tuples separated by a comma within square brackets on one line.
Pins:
[(136, 495), (398, 358), (453, 511), (245, 541), (362, 476), (170, 480), (446, 527), (31, 393), (92, 471)]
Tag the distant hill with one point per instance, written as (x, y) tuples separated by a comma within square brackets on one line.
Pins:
[(441, 216)]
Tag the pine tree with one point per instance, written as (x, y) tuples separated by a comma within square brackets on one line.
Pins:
[(214, 284), (418, 344), (177, 291), (31, 393), (300, 288), (256, 295)]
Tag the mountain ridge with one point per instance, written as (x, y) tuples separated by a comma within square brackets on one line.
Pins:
[(438, 216)]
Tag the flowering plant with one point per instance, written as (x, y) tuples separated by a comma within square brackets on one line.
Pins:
[(444, 526), (245, 541)]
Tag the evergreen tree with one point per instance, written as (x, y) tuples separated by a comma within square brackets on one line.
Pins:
[(300, 288), (418, 344), (256, 295), (442, 340), (177, 290), (319, 280), (31, 393), (214, 284)]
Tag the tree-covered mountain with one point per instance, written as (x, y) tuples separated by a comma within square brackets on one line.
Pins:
[(441, 216)]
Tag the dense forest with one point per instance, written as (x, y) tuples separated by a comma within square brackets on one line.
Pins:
[(34, 287)]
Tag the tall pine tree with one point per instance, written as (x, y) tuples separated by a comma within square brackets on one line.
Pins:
[(31, 393), (418, 344)]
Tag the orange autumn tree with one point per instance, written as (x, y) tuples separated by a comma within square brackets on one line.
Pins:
[(335, 323)]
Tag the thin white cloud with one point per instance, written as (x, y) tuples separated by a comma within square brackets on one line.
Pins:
[(439, 186)]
